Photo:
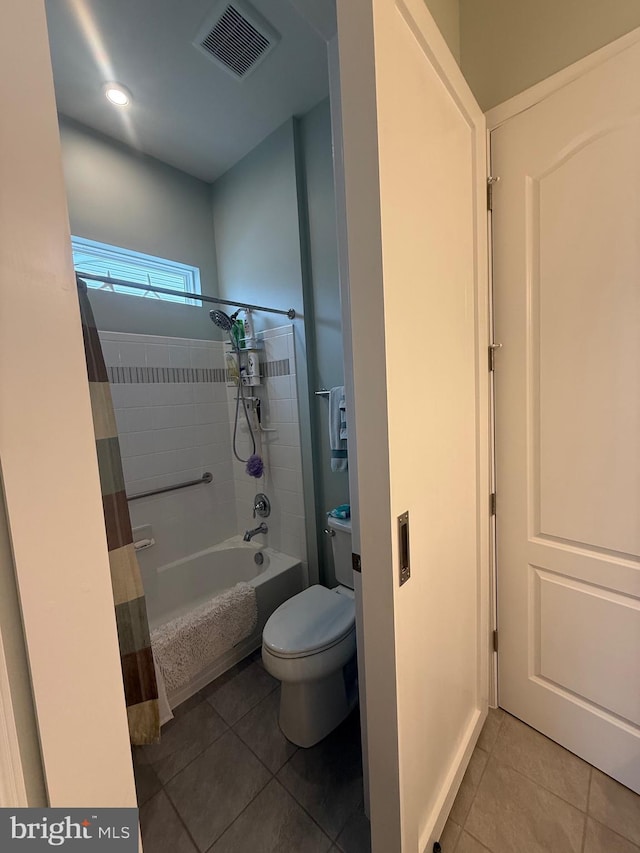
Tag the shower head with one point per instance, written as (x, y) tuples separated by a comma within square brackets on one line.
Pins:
[(222, 320)]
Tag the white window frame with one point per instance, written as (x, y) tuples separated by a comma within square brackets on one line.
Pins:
[(155, 269)]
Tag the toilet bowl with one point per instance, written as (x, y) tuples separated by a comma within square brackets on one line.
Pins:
[(309, 645)]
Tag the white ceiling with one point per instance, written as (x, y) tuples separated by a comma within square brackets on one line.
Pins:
[(186, 110)]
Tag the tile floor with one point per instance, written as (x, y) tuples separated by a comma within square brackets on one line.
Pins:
[(225, 780), (522, 793)]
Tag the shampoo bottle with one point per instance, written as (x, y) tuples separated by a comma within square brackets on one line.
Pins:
[(253, 368), (249, 328)]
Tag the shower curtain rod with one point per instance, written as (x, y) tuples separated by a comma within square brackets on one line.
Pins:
[(290, 313)]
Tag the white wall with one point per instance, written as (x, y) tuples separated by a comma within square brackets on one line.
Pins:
[(508, 45), (47, 447)]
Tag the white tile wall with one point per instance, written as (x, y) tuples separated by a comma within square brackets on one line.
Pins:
[(280, 450), (171, 432)]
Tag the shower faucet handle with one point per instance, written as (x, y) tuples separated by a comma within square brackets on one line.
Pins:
[(261, 506)]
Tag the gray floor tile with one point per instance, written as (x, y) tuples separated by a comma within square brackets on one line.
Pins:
[(229, 675), (184, 707), (327, 779), (468, 844), (234, 696), (600, 839), (256, 655), (139, 755), (615, 806), (259, 729), (211, 792), (356, 835), (161, 828), (511, 814), (183, 739), (450, 835), (517, 796), (273, 823), (469, 786), (543, 761), (491, 729), (147, 782)]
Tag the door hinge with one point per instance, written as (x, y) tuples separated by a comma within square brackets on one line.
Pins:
[(495, 641), (492, 356), (490, 182), (492, 503)]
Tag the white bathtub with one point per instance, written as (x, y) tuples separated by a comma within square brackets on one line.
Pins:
[(176, 588)]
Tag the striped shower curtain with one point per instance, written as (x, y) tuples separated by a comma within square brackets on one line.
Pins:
[(138, 674)]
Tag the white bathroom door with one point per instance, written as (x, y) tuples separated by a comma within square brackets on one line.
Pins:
[(415, 201), (566, 222)]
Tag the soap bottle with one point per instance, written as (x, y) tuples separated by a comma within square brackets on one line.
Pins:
[(238, 334)]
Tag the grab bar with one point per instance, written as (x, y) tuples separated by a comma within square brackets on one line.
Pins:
[(207, 477)]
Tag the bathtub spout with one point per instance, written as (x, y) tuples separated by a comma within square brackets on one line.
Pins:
[(249, 534)]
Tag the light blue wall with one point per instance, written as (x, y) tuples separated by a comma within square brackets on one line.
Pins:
[(118, 196), (327, 368), (273, 217), (257, 225), (275, 229)]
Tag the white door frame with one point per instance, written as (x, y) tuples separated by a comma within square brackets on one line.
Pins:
[(493, 540)]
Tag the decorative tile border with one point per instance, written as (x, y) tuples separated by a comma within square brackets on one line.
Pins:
[(276, 368), (135, 375), (119, 375)]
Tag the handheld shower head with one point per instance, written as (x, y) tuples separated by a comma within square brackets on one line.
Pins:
[(225, 322), (222, 320)]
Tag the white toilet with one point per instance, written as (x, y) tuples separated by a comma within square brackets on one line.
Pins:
[(309, 644)]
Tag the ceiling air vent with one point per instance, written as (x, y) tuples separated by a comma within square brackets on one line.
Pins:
[(236, 37)]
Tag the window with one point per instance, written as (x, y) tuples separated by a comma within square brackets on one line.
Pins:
[(113, 262)]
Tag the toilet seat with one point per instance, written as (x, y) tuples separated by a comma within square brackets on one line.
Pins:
[(309, 623)]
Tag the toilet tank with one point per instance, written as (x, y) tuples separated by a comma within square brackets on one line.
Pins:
[(341, 545)]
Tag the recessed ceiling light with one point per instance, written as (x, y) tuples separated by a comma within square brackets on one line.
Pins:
[(117, 94)]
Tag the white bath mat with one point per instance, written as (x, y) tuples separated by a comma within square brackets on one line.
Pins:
[(187, 645)]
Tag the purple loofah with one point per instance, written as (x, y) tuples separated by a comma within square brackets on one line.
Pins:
[(255, 466)]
